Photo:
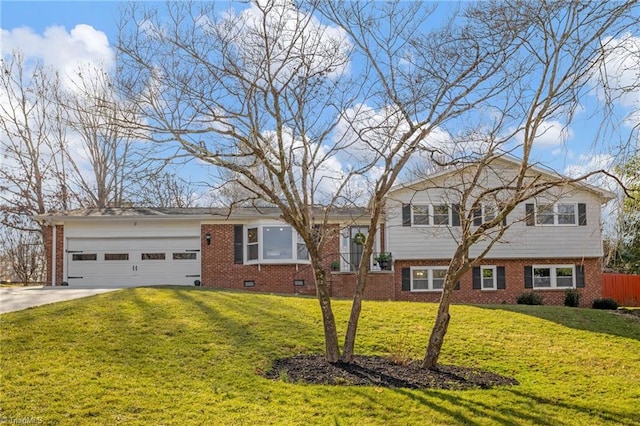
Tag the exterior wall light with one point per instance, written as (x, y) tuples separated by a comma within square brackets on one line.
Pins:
[(207, 237)]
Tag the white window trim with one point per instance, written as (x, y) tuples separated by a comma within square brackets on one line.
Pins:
[(555, 215), (431, 214), (261, 260), (429, 270), (495, 278), (553, 276)]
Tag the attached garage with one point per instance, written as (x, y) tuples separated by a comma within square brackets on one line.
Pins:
[(122, 262), (110, 248)]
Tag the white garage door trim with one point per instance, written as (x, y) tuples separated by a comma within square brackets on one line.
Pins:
[(127, 262)]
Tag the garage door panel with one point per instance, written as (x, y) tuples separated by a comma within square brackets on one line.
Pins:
[(122, 262)]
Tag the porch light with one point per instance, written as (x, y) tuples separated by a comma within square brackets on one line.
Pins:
[(207, 237)]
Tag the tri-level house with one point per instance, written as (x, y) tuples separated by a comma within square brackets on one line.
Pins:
[(551, 242)]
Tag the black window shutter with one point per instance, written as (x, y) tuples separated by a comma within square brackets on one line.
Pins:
[(238, 244), (580, 276), (477, 279), (477, 216), (406, 279), (455, 214), (528, 277), (457, 287), (582, 214), (406, 215), (502, 281), (530, 209), (504, 220)]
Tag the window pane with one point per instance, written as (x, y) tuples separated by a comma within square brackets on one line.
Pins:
[(489, 213), (566, 214), (83, 256), (153, 256), (564, 277), (488, 278), (420, 215), (303, 253), (277, 242), (116, 256), (420, 279), (545, 214), (441, 214), (252, 244), (252, 252), (184, 256), (252, 235), (542, 277), (438, 278)]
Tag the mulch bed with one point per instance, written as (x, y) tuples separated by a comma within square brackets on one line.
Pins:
[(382, 372)]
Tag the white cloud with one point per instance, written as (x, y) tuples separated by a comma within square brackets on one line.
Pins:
[(61, 50), (551, 133), (619, 76), (322, 48)]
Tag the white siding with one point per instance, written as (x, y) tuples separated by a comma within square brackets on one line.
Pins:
[(520, 241), (129, 228)]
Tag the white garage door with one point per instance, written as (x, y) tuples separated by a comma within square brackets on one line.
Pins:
[(122, 262)]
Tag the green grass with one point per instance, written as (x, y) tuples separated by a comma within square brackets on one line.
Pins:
[(191, 356)]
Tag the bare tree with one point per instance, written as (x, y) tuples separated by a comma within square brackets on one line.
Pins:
[(167, 190), (32, 132), (325, 103), (563, 46), (270, 95), (22, 252)]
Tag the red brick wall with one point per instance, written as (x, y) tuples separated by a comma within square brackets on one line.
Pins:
[(514, 274), (60, 254), (218, 270), (47, 231), (380, 285)]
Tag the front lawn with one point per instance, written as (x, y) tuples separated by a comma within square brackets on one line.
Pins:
[(177, 356)]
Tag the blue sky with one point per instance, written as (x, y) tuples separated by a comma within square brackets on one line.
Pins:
[(92, 28)]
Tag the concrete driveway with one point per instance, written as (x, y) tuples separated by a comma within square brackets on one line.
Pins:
[(19, 298)]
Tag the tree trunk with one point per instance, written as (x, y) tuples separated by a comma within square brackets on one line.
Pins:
[(332, 351), (356, 308), (439, 330)]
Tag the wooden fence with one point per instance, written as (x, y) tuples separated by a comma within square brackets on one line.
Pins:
[(625, 289)]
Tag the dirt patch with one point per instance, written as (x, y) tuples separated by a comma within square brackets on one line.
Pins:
[(382, 372), (633, 313)]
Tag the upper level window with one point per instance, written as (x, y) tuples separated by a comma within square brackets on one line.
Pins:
[(441, 214), (275, 244), (556, 214), (420, 215), (430, 214), (483, 214)]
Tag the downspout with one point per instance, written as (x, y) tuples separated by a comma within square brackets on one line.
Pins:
[(54, 250)]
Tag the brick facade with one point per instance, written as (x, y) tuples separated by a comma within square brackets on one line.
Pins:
[(47, 232), (514, 274), (219, 271)]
